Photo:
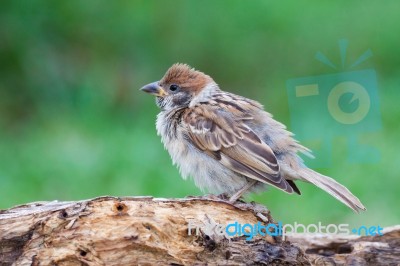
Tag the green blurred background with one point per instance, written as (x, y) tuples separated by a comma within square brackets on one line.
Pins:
[(73, 124)]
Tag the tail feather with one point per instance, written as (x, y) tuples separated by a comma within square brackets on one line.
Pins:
[(331, 186)]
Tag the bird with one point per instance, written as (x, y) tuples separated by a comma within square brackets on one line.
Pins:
[(229, 144)]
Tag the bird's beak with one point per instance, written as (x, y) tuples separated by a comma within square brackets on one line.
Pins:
[(155, 89)]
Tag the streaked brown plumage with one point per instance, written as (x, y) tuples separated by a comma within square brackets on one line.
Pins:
[(228, 143)]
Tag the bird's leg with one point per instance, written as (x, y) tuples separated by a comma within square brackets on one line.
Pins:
[(240, 192)]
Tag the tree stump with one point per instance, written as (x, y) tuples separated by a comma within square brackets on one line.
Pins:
[(151, 231)]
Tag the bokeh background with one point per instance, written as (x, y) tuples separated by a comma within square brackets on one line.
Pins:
[(73, 124)]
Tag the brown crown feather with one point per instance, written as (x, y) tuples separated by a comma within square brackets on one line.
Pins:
[(186, 77)]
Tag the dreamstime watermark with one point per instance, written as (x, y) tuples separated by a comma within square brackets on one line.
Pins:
[(342, 104), (235, 229)]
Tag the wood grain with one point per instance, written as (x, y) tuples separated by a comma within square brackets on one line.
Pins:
[(151, 231)]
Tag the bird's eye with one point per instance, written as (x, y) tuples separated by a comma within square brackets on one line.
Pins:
[(174, 87)]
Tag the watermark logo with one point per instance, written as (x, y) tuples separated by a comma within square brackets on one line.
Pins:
[(235, 229), (343, 104)]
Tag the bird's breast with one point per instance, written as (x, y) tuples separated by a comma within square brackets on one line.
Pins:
[(170, 129)]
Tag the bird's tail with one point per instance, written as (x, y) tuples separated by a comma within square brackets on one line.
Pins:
[(337, 190)]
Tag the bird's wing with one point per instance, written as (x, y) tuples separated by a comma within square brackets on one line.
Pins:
[(226, 138)]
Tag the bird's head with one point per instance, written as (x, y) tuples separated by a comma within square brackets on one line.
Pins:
[(181, 86)]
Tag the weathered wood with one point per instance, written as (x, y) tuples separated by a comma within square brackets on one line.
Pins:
[(351, 249), (150, 231)]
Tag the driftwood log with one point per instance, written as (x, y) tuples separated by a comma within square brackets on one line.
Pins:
[(150, 231)]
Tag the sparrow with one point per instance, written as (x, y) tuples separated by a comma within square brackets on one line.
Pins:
[(227, 143)]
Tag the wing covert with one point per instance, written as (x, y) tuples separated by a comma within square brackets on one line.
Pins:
[(234, 144)]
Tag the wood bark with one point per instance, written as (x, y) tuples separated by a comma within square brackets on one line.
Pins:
[(151, 231)]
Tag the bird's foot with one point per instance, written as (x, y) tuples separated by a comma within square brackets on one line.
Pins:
[(223, 196)]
